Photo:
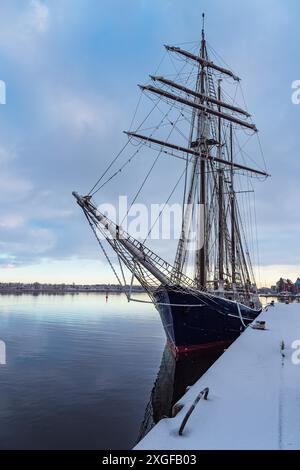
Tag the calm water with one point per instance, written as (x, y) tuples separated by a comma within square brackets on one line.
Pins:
[(86, 374)]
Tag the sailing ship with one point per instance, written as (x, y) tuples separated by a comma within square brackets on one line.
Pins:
[(208, 295)]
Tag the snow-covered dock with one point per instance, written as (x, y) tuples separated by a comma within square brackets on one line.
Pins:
[(254, 393)]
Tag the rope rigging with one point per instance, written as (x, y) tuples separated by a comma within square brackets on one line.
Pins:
[(174, 121)]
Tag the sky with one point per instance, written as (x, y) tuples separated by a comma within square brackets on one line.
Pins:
[(71, 69)]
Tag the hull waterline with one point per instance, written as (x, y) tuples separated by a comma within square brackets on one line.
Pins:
[(202, 322)]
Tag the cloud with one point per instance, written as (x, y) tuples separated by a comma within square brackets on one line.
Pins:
[(39, 16), (29, 248), (14, 187), (7, 266), (71, 69), (5, 155), (42, 239), (22, 27), (79, 112), (11, 221), (269, 274)]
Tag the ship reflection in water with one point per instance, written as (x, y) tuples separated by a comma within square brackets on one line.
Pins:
[(173, 378)]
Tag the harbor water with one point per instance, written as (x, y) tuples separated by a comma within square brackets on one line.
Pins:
[(85, 373)]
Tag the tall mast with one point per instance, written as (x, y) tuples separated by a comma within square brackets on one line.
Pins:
[(219, 243), (201, 261), (220, 198), (232, 212)]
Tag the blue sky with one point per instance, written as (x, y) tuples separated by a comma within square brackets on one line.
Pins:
[(71, 69)]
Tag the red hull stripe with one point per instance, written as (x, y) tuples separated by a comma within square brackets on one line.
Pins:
[(198, 347)]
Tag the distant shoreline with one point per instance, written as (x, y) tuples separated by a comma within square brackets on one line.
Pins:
[(55, 289), (60, 289)]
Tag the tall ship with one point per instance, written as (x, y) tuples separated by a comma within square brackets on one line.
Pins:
[(207, 295)]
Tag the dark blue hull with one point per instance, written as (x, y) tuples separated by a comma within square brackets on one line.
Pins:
[(200, 322)]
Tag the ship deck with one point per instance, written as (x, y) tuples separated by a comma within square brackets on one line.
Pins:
[(254, 393)]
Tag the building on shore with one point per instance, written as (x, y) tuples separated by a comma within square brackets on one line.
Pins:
[(286, 285)]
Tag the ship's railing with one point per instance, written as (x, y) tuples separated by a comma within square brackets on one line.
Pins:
[(155, 258)]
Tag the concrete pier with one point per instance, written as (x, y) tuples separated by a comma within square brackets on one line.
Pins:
[(254, 393)]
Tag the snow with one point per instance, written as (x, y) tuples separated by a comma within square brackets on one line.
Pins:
[(254, 393)]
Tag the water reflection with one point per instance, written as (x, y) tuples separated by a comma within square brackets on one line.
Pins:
[(78, 370), (173, 377), (280, 298)]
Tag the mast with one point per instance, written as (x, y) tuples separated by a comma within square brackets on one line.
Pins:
[(189, 151), (201, 107), (188, 91), (209, 168), (201, 253), (209, 199), (233, 262), (220, 198), (204, 62)]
